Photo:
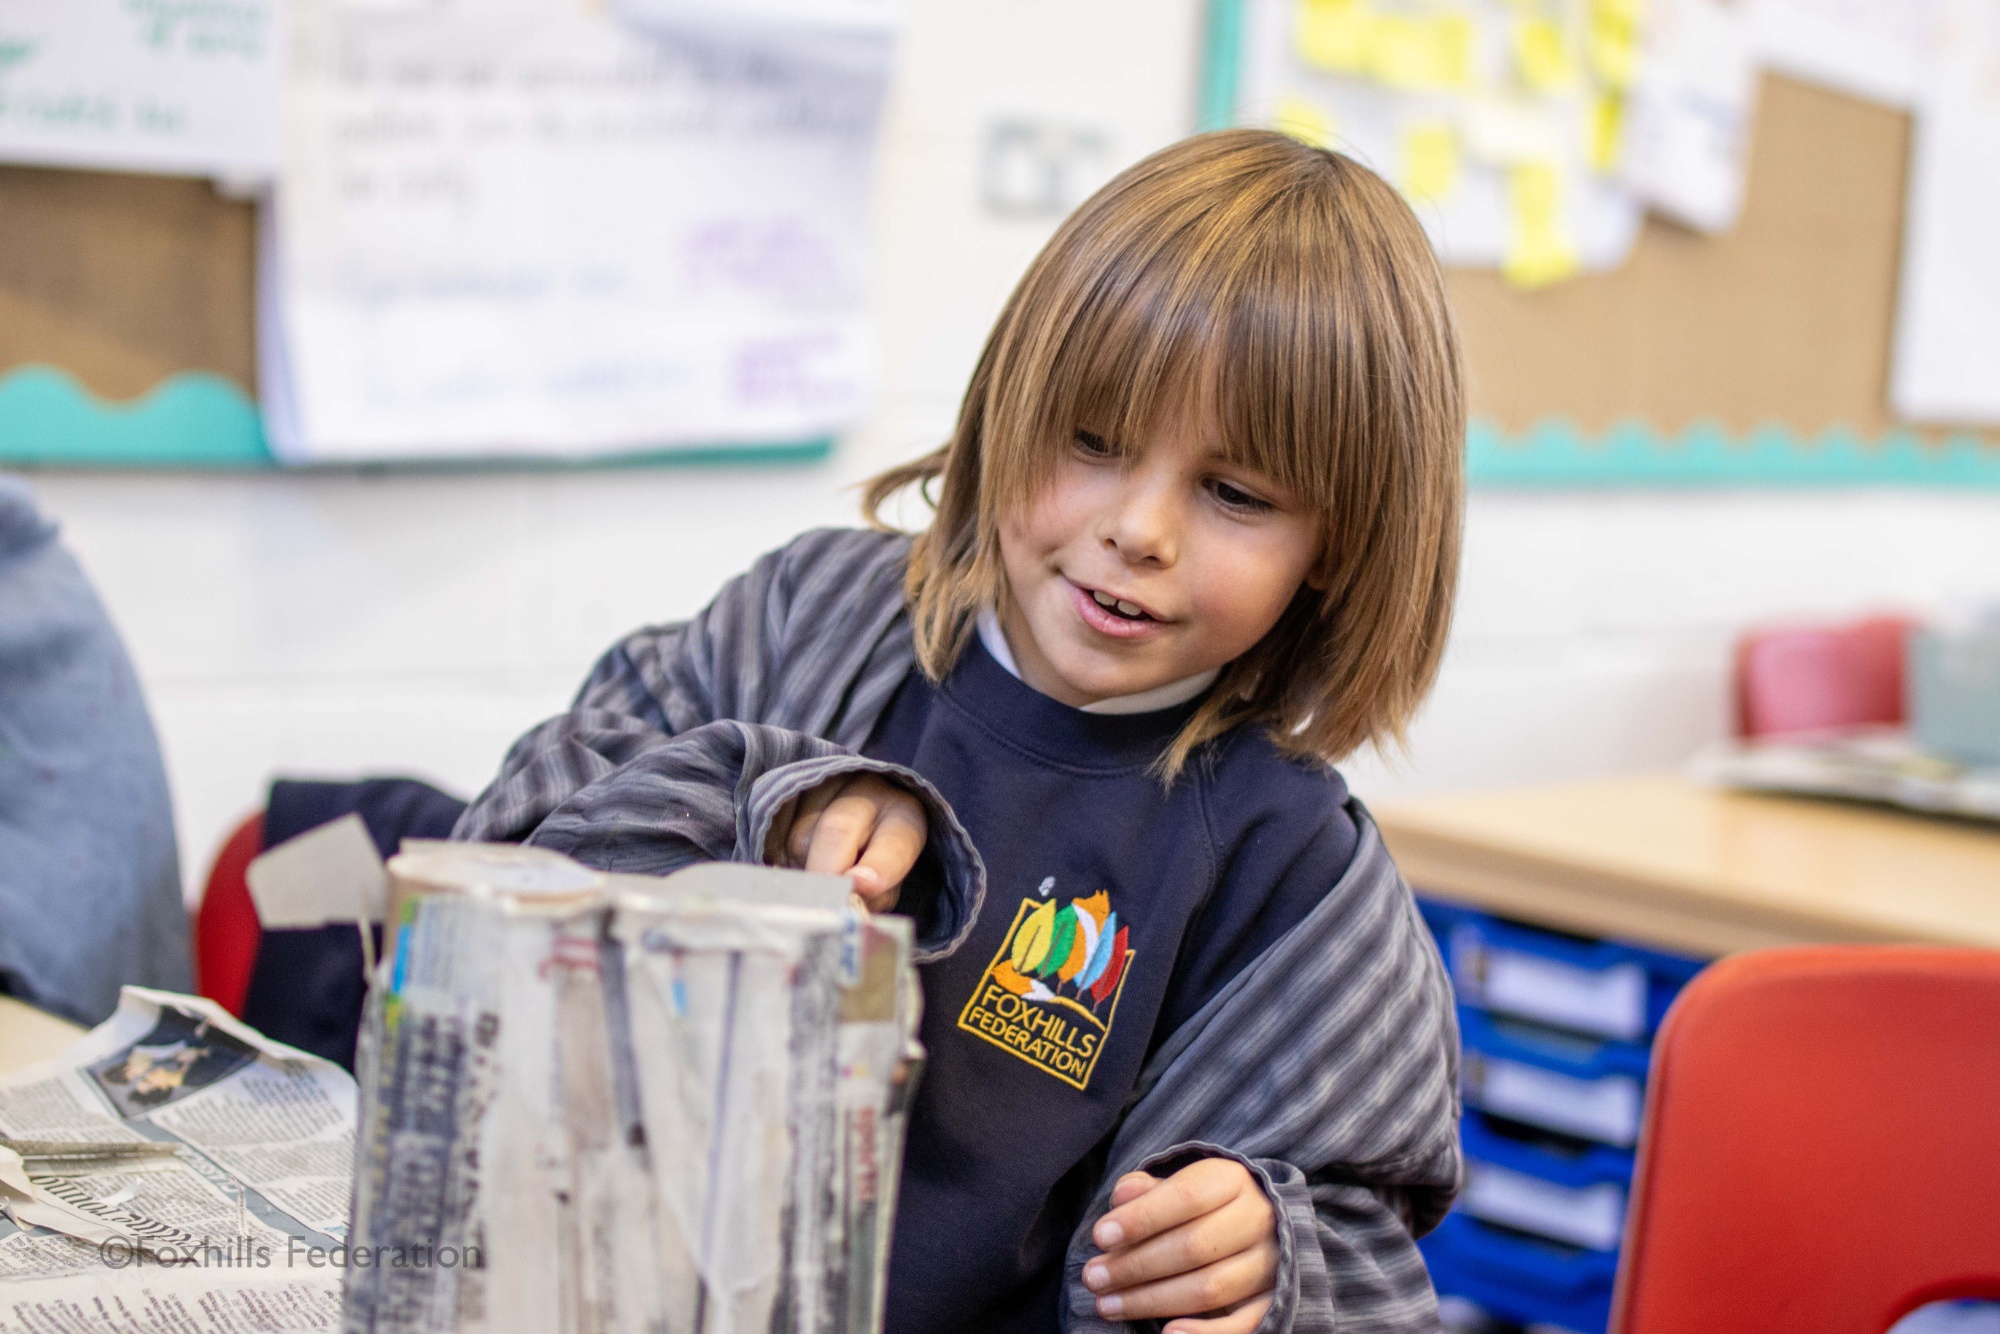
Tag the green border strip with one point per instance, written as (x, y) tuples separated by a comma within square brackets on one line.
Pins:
[(1555, 455), (194, 420), (1221, 65), (202, 421)]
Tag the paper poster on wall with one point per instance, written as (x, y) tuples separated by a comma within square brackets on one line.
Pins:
[(142, 85), (539, 230), (866, 16), (1876, 50), (1690, 114), (1948, 303)]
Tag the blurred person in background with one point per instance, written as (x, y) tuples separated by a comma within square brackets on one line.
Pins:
[(90, 893)]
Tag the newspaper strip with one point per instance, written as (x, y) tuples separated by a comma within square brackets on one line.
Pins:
[(217, 1199)]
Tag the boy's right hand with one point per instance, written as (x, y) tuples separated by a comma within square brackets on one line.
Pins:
[(861, 826)]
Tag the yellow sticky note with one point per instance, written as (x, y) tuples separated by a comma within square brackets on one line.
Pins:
[(1540, 249), (1421, 53), (1542, 56), (1304, 121), (1430, 159), (1607, 131), (1333, 34), (1612, 39)]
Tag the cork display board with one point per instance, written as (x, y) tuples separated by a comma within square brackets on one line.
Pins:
[(1787, 317), (1760, 356), (123, 280)]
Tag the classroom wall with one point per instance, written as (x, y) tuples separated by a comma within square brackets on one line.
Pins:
[(368, 624)]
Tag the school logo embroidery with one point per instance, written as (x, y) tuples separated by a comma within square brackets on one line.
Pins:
[(1052, 990)]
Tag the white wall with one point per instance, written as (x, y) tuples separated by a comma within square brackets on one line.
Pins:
[(351, 625)]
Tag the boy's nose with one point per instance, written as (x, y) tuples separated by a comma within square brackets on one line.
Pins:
[(1145, 526)]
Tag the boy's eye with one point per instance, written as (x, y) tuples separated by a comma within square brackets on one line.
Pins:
[(1236, 498), (1093, 444)]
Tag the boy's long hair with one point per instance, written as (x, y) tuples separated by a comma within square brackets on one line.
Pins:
[(1290, 297)]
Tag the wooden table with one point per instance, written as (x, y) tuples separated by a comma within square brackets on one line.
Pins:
[(1664, 861), (28, 1035)]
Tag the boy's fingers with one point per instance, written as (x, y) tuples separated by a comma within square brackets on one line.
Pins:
[(1241, 1227), (893, 849), (1131, 1186), (1188, 1193), (1242, 1320), (1213, 1287), (841, 831), (810, 806)]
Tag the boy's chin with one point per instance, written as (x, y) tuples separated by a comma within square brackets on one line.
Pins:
[(1100, 684)]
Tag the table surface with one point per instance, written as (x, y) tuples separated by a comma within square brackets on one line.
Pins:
[(1668, 862), (28, 1035)]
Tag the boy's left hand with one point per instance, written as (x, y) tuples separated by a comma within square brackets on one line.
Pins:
[(1202, 1243)]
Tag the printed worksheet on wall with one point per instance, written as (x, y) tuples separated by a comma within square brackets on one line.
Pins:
[(1948, 303), (142, 85), (538, 228)]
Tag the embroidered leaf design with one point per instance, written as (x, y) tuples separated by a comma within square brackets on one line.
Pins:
[(1108, 983), (1100, 958), (1031, 941), (1082, 947), (1062, 936)]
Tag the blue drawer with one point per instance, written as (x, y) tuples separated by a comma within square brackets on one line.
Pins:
[(1565, 1189), (1558, 1081), (1519, 1278), (1597, 987)]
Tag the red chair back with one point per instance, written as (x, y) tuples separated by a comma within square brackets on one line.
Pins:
[(1804, 678), (1822, 1145), (226, 930)]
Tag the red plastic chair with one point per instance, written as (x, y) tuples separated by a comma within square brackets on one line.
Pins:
[(1821, 1149), (1804, 678), (226, 930)]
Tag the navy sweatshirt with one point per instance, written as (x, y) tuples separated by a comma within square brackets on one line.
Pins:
[(1115, 909)]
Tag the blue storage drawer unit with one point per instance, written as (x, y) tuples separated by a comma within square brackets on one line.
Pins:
[(1520, 1278), (1574, 1085), (1569, 1191), (1588, 986), (1557, 1034)]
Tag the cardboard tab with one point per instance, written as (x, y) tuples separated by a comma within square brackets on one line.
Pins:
[(328, 874)]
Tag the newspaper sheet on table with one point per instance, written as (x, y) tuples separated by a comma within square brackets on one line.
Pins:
[(241, 1228)]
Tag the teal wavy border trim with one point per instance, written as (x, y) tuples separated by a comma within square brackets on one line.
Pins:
[(1221, 65), (197, 420), (1555, 455), (191, 420)]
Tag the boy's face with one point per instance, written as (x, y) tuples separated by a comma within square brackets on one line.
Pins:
[(1207, 553)]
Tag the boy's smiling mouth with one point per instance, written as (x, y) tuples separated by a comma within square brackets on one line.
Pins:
[(1112, 615)]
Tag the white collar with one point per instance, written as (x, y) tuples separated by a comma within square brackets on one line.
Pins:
[(1146, 701)]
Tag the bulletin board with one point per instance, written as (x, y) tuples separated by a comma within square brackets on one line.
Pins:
[(1756, 357), (127, 336), (126, 328)]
